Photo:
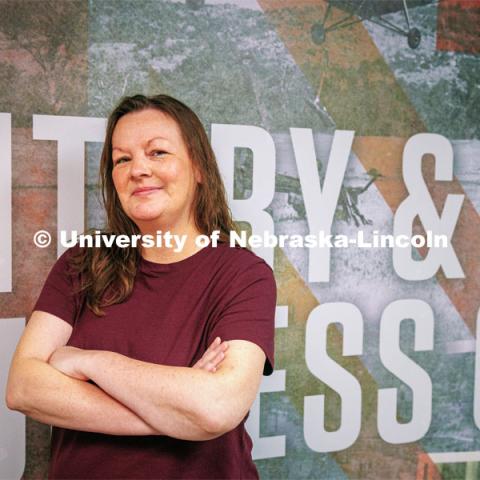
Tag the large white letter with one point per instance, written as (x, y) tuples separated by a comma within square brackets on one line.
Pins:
[(12, 431), (5, 202), (268, 447), (71, 133), (320, 201), (476, 392), (252, 210), (420, 203), (335, 376), (406, 370)]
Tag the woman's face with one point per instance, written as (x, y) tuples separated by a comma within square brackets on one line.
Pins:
[(152, 172)]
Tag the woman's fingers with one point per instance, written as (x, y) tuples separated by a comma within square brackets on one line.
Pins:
[(212, 364), (217, 360), (213, 345), (208, 353), (211, 351), (213, 355)]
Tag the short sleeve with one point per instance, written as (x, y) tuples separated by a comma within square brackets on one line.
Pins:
[(57, 296), (248, 311)]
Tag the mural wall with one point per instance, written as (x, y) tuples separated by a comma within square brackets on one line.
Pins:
[(375, 353)]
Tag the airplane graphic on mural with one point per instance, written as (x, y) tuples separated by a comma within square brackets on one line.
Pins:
[(373, 11)]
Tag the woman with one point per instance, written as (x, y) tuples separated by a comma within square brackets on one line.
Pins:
[(115, 355)]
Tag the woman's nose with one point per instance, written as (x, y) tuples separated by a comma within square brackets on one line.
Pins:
[(140, 166)]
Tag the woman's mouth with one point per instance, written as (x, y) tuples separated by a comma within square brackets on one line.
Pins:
[(145, 191)]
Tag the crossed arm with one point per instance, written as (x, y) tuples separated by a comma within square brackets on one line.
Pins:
[(47, 382), (181, 402)]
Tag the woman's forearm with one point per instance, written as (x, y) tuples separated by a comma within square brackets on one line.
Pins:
[(172, 399), (47, 395)]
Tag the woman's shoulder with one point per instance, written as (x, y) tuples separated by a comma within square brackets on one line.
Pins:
[(238, 270), (65, 258), (74, 260)]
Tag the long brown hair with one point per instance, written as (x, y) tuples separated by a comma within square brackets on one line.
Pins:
[(107, 274)]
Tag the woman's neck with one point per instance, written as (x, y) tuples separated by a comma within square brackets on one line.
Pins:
[(171, 245)]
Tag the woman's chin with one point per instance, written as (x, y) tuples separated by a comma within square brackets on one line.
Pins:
[(146, 217)]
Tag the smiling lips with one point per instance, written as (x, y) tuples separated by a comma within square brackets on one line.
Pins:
[(145, 190)]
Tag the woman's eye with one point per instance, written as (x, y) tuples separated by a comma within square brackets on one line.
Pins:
[(158, 153), (121, 160)]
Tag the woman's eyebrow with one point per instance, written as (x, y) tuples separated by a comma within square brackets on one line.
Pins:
[(157, 138), (148, 143)]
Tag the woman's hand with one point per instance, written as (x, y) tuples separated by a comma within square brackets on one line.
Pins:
[(68, 361), (213, 356)]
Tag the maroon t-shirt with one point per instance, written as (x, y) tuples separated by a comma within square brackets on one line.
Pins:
[(173, 314)]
